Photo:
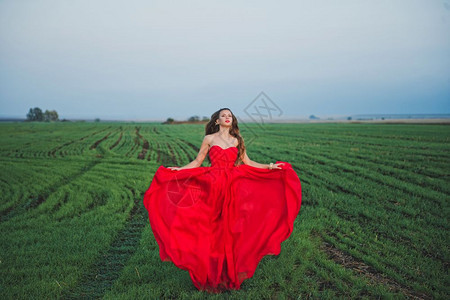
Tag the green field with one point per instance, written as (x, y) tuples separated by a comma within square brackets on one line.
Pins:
[(373, 222)]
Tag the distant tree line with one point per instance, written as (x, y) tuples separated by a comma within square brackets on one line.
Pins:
[(193, 119), (36, 114)]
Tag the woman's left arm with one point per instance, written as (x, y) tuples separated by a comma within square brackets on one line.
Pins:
[(255, 164)]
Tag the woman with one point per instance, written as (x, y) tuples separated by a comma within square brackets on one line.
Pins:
[(223, 131), (218, 222)]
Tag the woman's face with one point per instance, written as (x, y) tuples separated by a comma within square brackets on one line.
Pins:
[(225, 118)]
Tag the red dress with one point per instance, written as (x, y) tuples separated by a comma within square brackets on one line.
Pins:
[(218, 222)]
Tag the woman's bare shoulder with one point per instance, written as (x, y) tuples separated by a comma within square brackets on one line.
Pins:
[(209, 137)]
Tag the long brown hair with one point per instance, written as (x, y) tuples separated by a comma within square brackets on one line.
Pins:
[(211, 127)]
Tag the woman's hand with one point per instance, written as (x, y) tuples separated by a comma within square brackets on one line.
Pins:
[(175, 168), (275, 166)]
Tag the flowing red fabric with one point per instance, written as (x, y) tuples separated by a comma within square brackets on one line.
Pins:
[(218, 222)]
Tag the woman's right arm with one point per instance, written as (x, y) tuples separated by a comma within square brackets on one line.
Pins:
[(255, 164), (197, 162)]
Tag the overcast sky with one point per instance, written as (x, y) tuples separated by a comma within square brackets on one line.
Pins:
[(158, 59)]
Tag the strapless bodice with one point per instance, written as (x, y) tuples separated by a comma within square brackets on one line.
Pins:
[(221, 157)]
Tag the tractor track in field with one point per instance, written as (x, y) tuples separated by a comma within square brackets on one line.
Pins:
[(397, 239), (431, 221), (344, 148), (52, 152), (163, 157), (360, 220), (195, 148), (185, 150), (172, 156), (155, 149), (359, 268), (337, 188), (34, 201), (323, 284), (394, 207), (117, 142), (363, 250), (394, 163), (95, 145), (167, 158), (107, 269), (386, 173), (145, 144), (137, 142), (158, 158), (371, 178), (404, 148)]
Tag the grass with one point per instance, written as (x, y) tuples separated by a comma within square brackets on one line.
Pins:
[(373, 222)]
